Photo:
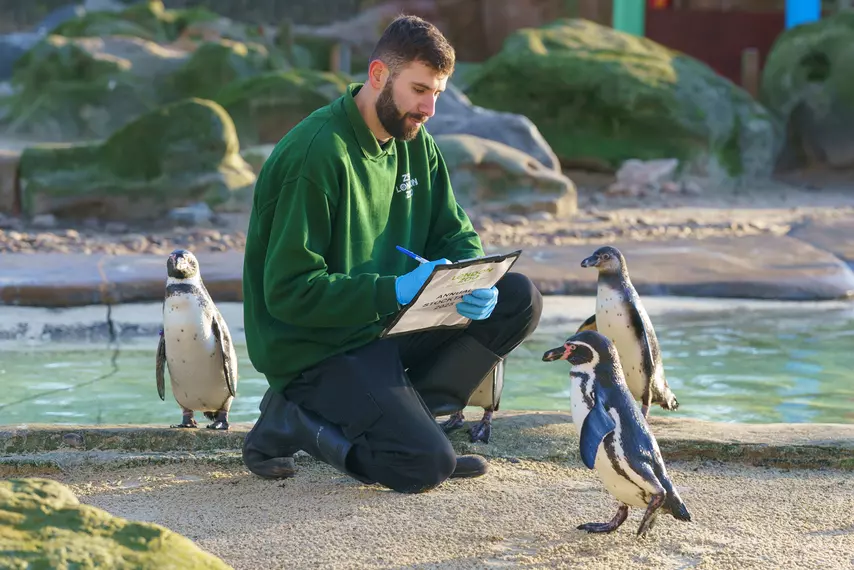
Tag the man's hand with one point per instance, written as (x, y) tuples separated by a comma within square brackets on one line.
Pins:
[(406, 286), (478, 304)]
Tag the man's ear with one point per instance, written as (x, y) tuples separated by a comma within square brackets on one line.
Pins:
[(377, 74)]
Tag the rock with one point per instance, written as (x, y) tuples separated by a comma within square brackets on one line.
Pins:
[(88, 87), (265, 107), (62, 80), (148, 19), (45, 221), (215, 65), (808, 79), (493, 178), (257, 155), (190, 154), (600, 97), (12, 48), (647, 173), (455, 114), (43, 525), (192, 215)]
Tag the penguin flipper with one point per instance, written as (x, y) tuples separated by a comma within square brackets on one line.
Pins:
[(160, 366), (646, 351), (588, 325), (229, 366), (597, 425)]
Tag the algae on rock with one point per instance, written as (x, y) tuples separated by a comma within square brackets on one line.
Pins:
[(179, 153), (265, 107), (72, 88), (808, 79), (495, 179), (44, 525), (600, 96)]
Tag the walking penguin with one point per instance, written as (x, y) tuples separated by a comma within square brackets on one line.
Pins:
[(487, 395), (621, 317), (196, 345), (615, 439)]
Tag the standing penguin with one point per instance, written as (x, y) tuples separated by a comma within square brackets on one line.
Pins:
[(614, 438), (196, 345), (487, 396), (621, 317)]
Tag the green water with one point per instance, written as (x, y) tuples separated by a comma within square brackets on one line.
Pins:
[(782, 365)]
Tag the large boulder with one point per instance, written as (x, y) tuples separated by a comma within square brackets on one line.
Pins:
[(178, 154), (808, 79), (489, 177), (265, 107), (600, 97), (43, 525), (455, 114), (72, 88), (148, 19)]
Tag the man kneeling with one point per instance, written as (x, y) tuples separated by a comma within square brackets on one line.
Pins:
[(322, 277)]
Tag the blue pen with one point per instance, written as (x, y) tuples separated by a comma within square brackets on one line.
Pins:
[(414, 256)]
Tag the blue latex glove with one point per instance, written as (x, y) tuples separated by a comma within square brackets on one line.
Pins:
[(406, 286), (478, 304)]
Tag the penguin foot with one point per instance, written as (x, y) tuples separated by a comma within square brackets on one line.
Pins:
[(454, 422), (191, 423), (651, 513), (645, 411), (482, 429), (609, 526), (220, 420)]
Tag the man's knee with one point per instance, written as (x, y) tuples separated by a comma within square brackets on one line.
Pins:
[(422, 470), (514, 319), (518, 291)]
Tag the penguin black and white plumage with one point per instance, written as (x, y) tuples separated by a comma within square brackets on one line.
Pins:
[(621, 317), (615, 439), (196, 346), (487, 396)]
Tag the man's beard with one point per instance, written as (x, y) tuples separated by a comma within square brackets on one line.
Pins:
[(393, 121)]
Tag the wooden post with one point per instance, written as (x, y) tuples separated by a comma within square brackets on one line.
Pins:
[(629, 16), (802, 12), (750, 71)]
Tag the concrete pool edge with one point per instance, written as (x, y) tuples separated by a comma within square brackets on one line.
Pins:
[(529, 435)]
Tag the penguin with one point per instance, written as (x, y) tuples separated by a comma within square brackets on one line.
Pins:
[(621, 317), (196, 346), (487, 396), (615, 439)]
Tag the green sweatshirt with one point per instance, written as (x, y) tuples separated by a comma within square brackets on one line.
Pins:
[(330, 206)]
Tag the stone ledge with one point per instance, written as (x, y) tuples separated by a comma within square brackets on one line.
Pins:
[(750, 267), (538, 436)]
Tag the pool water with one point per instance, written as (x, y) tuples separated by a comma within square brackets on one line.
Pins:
[(786, 364)]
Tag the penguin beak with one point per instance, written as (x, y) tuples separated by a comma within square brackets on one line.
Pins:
[(591, 261), (558, 353)]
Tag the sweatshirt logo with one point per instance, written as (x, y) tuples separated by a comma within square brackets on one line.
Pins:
[(406, 185)]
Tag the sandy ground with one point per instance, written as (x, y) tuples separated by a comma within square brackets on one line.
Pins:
[(521, 514)]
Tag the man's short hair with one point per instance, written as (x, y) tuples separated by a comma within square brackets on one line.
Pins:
[(409, 39)]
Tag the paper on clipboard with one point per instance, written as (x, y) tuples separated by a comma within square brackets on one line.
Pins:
[(435, 304)]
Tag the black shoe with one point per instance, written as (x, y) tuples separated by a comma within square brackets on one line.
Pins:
[(470, 466), (282, 429), (269, 446)]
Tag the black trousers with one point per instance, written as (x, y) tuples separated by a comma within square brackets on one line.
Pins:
[(384, 396)]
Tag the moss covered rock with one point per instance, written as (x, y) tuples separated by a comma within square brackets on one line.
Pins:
[(71, 88), (265, 107), (808, 79), (600, 96), (177, 154), (43, 525), (495, 179), (215, 65), (148, 20)]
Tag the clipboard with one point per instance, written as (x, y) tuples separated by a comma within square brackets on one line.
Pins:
[(434, 306)]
